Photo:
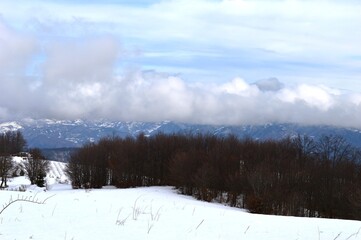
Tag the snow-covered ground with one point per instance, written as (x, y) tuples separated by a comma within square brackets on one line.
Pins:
[(148, 213), (56, 173)]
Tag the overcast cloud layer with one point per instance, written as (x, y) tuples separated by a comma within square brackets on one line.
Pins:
[(217, 62)]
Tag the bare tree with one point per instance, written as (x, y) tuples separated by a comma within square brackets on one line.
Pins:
[(11, 142), (36, 166), (6, 165), (294, 176)]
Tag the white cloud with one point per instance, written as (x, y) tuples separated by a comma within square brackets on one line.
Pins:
[(239, 87), (81, 69), (314, 96), (16, 50), (83, 60)]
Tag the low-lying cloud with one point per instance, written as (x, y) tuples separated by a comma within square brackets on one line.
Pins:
[(80, 78)]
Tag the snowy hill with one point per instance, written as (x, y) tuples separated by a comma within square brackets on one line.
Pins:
[(50, 134), (55, 175), (145, 213), (150, 213)]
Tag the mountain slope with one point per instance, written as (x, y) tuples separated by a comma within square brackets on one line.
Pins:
[(47, 133)]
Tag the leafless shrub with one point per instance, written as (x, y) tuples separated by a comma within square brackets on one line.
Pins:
[(121, 221)]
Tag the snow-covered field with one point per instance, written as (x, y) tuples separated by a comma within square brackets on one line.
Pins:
[(148, 213)]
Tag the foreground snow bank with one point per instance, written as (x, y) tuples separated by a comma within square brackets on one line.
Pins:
[(151, 213)]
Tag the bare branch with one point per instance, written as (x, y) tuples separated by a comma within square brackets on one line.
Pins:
[(24, 199)]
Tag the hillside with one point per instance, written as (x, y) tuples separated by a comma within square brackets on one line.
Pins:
[(144, 213), (150, 213), (55, 174)]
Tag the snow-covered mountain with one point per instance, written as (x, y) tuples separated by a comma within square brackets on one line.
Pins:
[(47, 133), (9, 126)]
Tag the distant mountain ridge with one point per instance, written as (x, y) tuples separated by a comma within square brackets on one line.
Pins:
[(47, 133)]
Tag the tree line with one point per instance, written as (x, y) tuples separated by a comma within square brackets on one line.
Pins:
[(298, 176), (34, 167)]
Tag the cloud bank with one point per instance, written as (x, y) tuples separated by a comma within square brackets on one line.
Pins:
[(79, 79), (67, 61)]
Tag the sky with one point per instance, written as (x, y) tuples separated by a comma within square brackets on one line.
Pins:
[(196, 61)]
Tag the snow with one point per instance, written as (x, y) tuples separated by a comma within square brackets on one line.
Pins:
[(56, 173), (147, 213), (18, 160), (9, 126)]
